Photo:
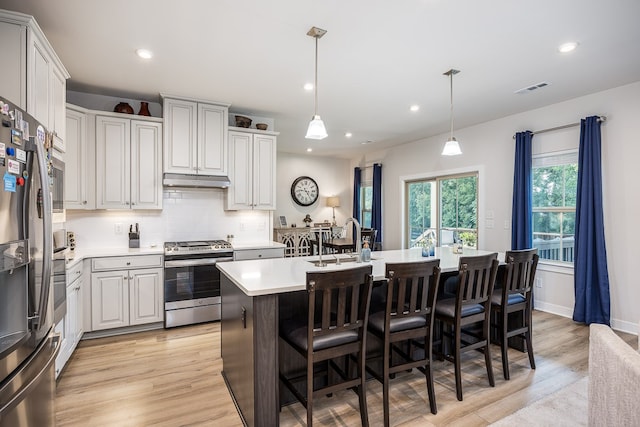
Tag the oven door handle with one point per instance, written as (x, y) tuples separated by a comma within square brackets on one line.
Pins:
[(195, 262)]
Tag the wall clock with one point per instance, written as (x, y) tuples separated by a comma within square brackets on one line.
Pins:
[(304, 191)]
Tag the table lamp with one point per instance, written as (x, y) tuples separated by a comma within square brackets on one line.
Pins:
[(333, 202)]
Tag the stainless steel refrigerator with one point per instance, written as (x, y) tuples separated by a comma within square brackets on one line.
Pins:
[(28, 347)]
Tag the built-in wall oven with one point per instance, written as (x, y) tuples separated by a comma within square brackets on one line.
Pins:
[(192, 281)]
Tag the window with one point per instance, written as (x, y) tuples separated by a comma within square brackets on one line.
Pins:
[(555, 183), (447, 206), (366, 196)]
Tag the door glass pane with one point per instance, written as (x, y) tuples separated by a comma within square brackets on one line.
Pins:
[(421, 212)]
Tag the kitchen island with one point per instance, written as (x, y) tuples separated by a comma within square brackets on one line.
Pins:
[(255, 295)]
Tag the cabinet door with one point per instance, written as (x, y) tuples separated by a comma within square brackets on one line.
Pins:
[(57, 108), (146, 165), (79, 309), (72, 316), (75, 173), (64, 353), (113, 163), (109, 299), (264, 172), (38, 88), (13, 51), (180, 152), (146, 296), (212, 139), (240, 192)]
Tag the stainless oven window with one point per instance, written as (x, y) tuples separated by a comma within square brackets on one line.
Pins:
[(191, 282), (57, 185)]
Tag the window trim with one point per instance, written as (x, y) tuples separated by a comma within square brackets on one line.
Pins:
[(569, 154), (477, 171)]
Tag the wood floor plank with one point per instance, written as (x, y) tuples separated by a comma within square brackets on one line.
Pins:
[(173, 378)]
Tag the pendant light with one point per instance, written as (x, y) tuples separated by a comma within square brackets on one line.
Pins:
[(316, 128), (451, 147)]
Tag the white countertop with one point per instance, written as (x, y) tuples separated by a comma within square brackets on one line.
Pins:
[(278, 275), (81, 254)]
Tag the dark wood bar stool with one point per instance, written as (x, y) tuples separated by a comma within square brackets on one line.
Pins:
[(412, 288), (516, 296), (336, 326), (470, 309)]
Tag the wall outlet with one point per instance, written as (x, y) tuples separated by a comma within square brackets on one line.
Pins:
[(538, 282), (507, 224), (118, 228)]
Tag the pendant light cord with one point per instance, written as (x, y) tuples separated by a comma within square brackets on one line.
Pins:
[(315, 113), (451, 77)]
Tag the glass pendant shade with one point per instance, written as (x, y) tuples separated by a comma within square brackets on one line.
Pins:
[(316, 129), (451, 148)]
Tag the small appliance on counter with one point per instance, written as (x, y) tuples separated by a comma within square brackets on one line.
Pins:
[(134, 236)]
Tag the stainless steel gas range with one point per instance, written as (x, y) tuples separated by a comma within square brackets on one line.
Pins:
[(192, 281)]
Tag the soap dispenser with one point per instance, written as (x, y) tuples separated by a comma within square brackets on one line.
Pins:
[(366, 252)]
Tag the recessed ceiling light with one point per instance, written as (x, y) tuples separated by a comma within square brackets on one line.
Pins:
[(309, 150), (567, 47), (308, 86), (348, 134), (144, 53), (414, 108)]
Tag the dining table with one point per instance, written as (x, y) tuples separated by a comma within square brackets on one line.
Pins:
[(339, 245)]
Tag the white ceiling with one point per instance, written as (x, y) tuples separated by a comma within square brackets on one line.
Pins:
[(377, 59)]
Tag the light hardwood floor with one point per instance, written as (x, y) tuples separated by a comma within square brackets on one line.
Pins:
[(172, 378)]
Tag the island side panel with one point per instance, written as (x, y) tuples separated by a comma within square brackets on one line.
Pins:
[(265, 332), (249, 333)]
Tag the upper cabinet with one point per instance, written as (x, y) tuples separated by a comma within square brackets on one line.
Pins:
[(33, 76), (80, 159), (195, 137), (128, 163), (252, 170)]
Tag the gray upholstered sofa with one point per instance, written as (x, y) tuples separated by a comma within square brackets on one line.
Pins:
[(614, 380)]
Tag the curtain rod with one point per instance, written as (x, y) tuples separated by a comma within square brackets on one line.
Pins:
[(370, 166), (600, 119)]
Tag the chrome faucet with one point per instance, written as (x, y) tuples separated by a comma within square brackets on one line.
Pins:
[(358, 237), (319, 230)]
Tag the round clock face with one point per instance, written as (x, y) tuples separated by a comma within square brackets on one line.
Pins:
[(304, 191)]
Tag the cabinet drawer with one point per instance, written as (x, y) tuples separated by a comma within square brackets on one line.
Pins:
[(74, 273), (126, 262), (258, 254)]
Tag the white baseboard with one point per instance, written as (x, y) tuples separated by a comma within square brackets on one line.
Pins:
[(618, 325)]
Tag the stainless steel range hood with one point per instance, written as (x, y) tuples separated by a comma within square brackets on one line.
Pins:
[(195, 181)]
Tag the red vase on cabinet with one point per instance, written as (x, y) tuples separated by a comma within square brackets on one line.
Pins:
[(144, 109)]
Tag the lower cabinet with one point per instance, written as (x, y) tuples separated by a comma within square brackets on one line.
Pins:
[(71, 327), (126, 297)]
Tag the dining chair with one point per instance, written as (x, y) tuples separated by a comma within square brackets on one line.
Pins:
[(406, 319), (516, 296), (470, 309), (334, 330)]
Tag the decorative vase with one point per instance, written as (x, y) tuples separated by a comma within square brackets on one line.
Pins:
[(144, 109), (123, 107)]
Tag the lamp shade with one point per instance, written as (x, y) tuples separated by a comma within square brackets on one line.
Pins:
[(333, 202), (451, 148), (316, 129)]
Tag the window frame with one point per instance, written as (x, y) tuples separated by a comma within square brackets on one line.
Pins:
[(437, 219), (556, 159)]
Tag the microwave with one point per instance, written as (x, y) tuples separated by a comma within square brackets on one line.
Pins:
[(56, 176)]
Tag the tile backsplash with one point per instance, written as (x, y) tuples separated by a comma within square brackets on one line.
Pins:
[(187, 214)]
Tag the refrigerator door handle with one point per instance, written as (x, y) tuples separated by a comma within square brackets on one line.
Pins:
[(24, 391), (47, 232)]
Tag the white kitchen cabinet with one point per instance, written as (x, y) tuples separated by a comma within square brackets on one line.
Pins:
[(71, 327), (195, 139), (252, 170), (33, 76), (128, 163), (125, 296), (80, 159)]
